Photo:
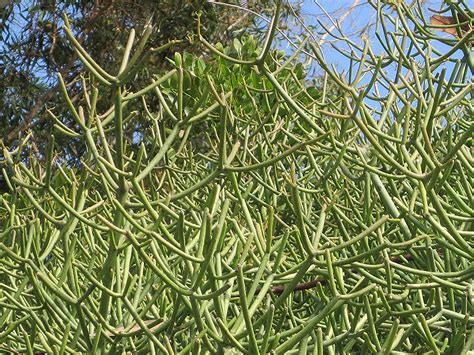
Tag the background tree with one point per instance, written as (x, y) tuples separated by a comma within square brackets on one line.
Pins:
[(34, 49)]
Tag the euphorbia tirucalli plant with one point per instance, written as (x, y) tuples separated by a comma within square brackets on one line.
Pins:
[(255, 213)]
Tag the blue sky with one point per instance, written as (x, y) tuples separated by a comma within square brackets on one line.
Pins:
[(327, 11), (359, 19)]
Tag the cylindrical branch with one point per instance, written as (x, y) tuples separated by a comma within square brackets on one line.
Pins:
[(269, 37), (214, 244)]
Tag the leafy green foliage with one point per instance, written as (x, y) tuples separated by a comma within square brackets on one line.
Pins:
[(34, 48)]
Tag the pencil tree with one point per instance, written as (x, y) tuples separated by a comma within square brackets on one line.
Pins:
[(254, 212)]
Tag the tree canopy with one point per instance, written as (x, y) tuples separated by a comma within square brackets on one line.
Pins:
[(34, 48)]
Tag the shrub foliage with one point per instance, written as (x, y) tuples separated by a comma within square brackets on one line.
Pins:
[(253, 212)]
